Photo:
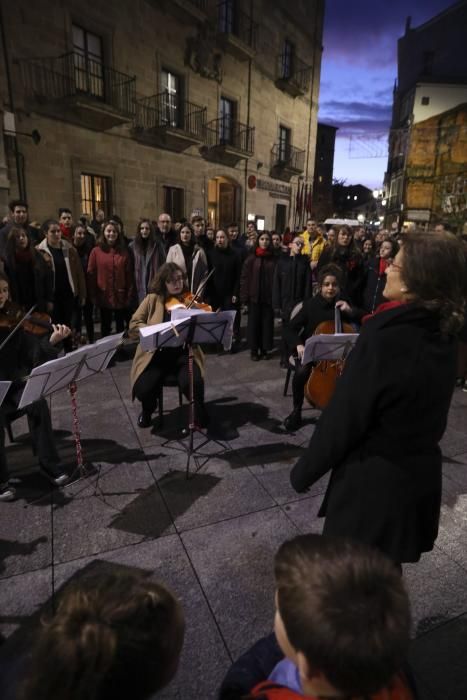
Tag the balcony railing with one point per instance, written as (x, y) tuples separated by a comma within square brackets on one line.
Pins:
[(292, 73), (237, 23), (285, 157), (230, 134), (166, 111), (76, 75)]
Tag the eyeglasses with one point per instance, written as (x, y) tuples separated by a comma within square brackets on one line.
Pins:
[(176, 280)]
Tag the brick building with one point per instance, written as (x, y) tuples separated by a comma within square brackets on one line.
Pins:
[(177, 105), (432, 81)]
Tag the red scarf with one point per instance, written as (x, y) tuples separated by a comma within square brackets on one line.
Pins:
[(66, 232), (262, 252), (383, 264), (385, 306)]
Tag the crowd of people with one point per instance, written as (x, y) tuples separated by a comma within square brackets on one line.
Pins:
[(342, 620)]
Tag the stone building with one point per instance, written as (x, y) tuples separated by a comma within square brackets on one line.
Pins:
[(324, 167), (432, 80), (177, 105)]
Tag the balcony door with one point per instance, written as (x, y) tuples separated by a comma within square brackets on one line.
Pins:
[(226, 121), (88, 62), (284, 144), (171, 99), (287, 60), (227, 15)]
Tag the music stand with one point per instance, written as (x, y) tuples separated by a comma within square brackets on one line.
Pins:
[(4, 386), (336, 346), (66, 372), (188, 327)]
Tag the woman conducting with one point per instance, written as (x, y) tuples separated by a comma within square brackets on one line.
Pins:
[(380, 433), (150, 368)]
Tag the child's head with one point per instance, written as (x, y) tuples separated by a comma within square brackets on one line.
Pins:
[(342, 612), (114, 636)]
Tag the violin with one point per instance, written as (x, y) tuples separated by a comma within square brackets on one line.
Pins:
[(321, 383), (36, 322), (187, 300)]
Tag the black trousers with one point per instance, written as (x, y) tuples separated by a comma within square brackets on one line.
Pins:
[(86, 311), (260, 330), (40, 428), (164, 363), (299, 381), (63, 313), (106, 320)]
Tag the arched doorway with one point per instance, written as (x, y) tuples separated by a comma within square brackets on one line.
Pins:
[(223, 201)]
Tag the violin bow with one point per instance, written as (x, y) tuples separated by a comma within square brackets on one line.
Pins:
[(201, 287), (18, 325)]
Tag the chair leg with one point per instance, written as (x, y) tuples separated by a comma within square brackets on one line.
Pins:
[(180, 396), (160, 404), (287, 380)]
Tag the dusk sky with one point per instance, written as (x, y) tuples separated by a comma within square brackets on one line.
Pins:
[(357, 78)]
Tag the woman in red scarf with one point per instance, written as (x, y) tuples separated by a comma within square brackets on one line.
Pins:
[(379, 435), (256, 282)]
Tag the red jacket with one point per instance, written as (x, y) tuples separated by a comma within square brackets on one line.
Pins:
[(110, 278), (398, 690)]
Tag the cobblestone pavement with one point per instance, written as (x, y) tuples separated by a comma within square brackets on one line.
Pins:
[(211, 538)]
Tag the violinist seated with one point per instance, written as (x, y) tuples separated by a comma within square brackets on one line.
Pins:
[(314, 311), (19, 355), (149, 369)]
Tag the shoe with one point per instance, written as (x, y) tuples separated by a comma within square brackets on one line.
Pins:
[(235, 347), (294, 420), (254, 356), (283, 364), (144, 419), (266, 356), (7, 492), (460, 382), (57, 477)]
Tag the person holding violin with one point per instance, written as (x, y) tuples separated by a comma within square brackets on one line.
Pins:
[(380, 433), (149, 368), (19, 354), (314, 311)]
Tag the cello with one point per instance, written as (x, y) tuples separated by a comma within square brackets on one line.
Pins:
[(321, 383)]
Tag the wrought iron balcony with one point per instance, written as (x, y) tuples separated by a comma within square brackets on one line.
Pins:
[(166, 121), (286, 161), (237, 33), (79, 89), (293, 75), (228, 141)]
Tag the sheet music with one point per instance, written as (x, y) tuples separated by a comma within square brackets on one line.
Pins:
[(211, 327), (4, 386)]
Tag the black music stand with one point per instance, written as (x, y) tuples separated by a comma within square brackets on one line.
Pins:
[(189, 327), (66, 372), (4, 386)]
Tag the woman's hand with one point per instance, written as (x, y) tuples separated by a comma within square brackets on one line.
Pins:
[(60, 332), (300, 351), (343, 306)]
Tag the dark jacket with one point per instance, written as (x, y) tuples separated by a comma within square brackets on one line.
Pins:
[(292, 283), (30, 282), (352, 270), (374, 285), (313, 312), (257, 278), (380, 435), (34, 235), (225, 280)]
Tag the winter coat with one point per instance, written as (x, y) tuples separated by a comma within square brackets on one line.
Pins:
[(314, 311), (110, 278), (30, 283), (292, 283), (73, 266), (149, 313), (380, 435), (146, 265), (199, 265), (256, 279), (313, 249), (225, 280)]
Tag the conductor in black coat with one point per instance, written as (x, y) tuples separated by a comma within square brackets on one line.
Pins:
[(380, 433)]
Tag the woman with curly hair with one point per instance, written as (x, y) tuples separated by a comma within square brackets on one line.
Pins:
[(346, 255), (379, 435)]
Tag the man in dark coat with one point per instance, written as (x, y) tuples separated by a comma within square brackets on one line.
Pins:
[(380, 434)]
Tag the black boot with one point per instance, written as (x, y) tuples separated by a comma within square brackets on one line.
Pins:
[(294, 420), (144, 419)]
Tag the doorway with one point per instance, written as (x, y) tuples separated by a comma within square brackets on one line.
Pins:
[(281, 218), (223, 202)]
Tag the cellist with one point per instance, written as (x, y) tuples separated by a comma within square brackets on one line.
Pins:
[(149, 369), (314, 311)]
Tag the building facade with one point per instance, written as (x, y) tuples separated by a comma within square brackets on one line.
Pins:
[(186, 106), (324, 168), (432, 81)]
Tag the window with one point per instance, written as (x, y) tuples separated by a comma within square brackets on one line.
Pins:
[(226, 120), (425, 100), (173, 202), (287, 60), (284, 144), (88, 62), (96, 194), (171, 88), (227, 14)]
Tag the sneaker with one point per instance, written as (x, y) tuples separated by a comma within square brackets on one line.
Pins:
[(7, 492), (294, 420), (57, 477)]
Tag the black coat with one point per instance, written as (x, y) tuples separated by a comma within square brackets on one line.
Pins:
[(313, 312), (225, 281), (380, 435), (292, 283), (352, 270), (256, 279)]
